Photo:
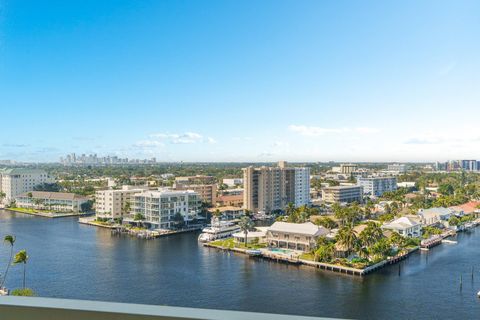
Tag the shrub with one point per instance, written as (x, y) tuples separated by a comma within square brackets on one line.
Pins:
[(26, 292)]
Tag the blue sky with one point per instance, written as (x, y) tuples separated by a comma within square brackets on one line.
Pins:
[(240, 80)]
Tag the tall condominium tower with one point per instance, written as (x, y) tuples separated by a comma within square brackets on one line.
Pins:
[(272, 188)]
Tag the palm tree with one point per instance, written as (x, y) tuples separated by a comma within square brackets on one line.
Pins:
[(246, 224), (371, 234), (22, 257), (30, 196), (397, 239), (127, 208), (339, 213), (37, 202), (290, 209), (347, 237), (11, 240), (2, 196)]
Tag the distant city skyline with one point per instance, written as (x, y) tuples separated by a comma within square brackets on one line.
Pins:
[(308, 81)]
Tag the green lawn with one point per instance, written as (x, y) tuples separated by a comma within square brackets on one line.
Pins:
[(33, 211), (307, 256), (230, 243)]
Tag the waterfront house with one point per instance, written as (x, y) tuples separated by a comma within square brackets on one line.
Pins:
[(405, 226), (51, 201), (258, 235), (296, 236), (468, 208), (433, 216)]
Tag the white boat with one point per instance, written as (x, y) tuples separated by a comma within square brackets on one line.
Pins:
[(254, 252), (478, 294), (218, 230)]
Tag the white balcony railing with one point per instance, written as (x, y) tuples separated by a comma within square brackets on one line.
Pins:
[(61, 309)]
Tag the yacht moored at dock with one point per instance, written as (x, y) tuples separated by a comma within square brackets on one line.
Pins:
[(218, 230)]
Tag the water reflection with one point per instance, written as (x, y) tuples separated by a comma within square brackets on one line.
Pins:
[(77, 261)]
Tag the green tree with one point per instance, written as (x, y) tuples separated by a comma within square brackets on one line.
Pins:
[(11, 241), (346, 237), (22, 257), (326, 222), (86, 206), (380, 249), (290, 209), (178, 219), (138, 217), (371, 234), (397, 240), (246, 224), (127, 207), (453, 221), (324, 253), (446, 189)]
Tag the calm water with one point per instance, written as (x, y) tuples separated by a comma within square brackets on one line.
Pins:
[(70, 260)]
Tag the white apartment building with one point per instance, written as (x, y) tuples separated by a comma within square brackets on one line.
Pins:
[(232, 182), (160, 207), (114, 203), (397, 167), (376, 186), (54, 201), (15, 181), (302, 186), (342, 194)]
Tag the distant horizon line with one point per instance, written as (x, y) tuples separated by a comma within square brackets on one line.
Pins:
[(13, 162)]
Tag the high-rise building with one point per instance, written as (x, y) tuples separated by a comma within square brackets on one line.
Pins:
[(16, 181), (469, 165), (376, 186), (272, 188)]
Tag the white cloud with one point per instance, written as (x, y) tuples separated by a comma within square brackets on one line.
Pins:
[(179, 138), (148, 143), (211, 140), (160, 140), (312, 131)]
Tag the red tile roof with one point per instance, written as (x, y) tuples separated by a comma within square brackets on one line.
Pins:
[(468, 207)]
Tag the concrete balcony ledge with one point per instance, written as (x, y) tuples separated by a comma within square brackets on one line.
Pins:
[(23, 308)]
